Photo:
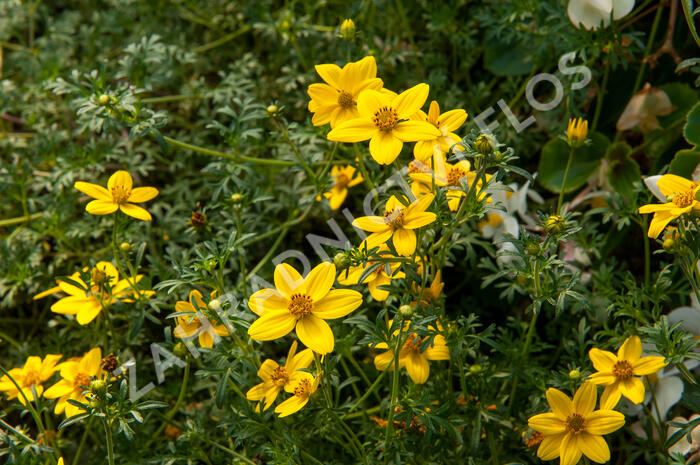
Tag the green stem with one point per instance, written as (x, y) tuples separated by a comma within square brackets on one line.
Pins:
[(563, 181), (180, 399), (394, 390), (371, 389), (296, 151), (20, 219), (229, 451), (237, 158), (361, 164), (222, 40), (110, 442), (361, 413), (82, 442)]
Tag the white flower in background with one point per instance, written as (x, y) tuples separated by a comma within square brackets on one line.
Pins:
[(500, 223), (643, 109), (591, 13), (685, 447)]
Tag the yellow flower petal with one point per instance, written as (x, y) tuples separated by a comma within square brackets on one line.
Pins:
[(291, 405), (329, 73), (452, 119), (135, 211), (101, 207), (585, 398), (670, 184), (411, 100), (633, 389), (87, 313), (71, 305), (549, 447), (648, 365), (610, 397), (659, 223), (287, 279), (418, 368), (385, 147), (256, 393), (369, 102), (559, 402), (272, 325), (570, 454), (323, 93), (337, 303), (355, 130), (547, 423), (604, 421), (418, 220), (631, 349), (367, 68), (412, 131), (315, 334), (594, 447), (602, 359), (319, 281), (404, 241), (371, 223), (383, 360), (122, 179), (93, 190), (266, 300), (142, 194)]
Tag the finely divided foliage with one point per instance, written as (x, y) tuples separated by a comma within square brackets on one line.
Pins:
[(261, 232)]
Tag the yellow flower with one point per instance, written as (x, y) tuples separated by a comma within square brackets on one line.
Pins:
[(86, 302), (196, 323), (680, 196), (412, 357), (336, 101), (118, 196), (276, 377), (378, 277), (60, 461), (77, 374), (302, 384), (343, 177), (619, 374), (398, 224), (575, 428), (347, 29), (385, 122), (577, 132), (446, 123), (447, 175), (304, 303), (432, 293), (34, 372)]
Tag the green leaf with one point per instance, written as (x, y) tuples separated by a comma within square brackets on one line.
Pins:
[(689, 13), (692, 127), (220, 395), (623, 171), (685, 162), (504, 59), (585, 161), (73, 419)]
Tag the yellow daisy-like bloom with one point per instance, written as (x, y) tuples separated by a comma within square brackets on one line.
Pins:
[(86, 302), (302, 384), (304, 304), (344, 177), (60, 461), (619, 374), (378, 277), (119, 195), (412, 357), (386, 122), (447, 175), (34, 372), (680, 195), (398, 223), (276, 377), (196, 324), (575, 428), (336, 101), (446, 123), (77, 374), (577, 132), (431, 294)]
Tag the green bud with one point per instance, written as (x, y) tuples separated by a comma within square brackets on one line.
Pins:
[(555, 225), (574, 374), (406, 312), (98, 387), (475, 369), (347, 29), (485, 144), (272, 109), (533, 248), (124, 246), (103, 99), (214, 305), (341, 260), (180, 350), (669, 244), (236, 198)]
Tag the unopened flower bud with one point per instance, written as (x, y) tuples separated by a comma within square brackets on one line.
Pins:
[(341, 260), (180, 350), (475, 369), (98, 387), (555, 225), (533, 247), (103, 99), (272, 109), (574, 374), (406, 312), (214, 305), (347, 29), (669, 244), (124, 246), (236, 198), (485, 144)]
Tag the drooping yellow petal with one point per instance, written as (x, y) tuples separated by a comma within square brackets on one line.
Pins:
[(383, 360), (594, 447), (72, 305), (135, 211), (385, 147), (93, 190), (291, 405), (611, 396), (570, 454), (87, 313), (315, 334), (404, 241), (659, 223), (271, 325), (256, 393), (633, 389), (417, 367)]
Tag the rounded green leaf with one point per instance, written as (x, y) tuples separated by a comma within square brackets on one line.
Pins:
[(585, 160), (685, 162)]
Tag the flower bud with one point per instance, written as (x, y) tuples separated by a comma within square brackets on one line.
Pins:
[(475, 369), (485, 144), (555, 225), (669, 244), (180, 350), (103, 99), (124, 246), (406, 312), (574, 374), (272, 109), (341, 260), (214, 305), (347, 29), (533, 247), (236, 198), (98, 387)]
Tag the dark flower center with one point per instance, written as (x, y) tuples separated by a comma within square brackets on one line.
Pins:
[(345, 99), (622, 369), (385, 119), (575, 423), (300, 305)]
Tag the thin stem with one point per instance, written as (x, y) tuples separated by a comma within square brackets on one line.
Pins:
[(601, 95), (222, 40), (371, 389), (361, 164), (180, 399), (563, 182), (216, 153), (82, 442), (394, 389), (296, 151), (20, 219), (110, 444)]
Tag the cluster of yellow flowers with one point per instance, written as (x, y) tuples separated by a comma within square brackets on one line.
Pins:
[(575, 428), (76, 376)]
